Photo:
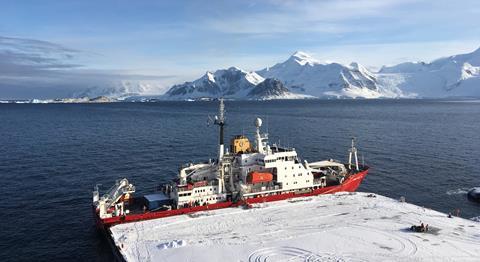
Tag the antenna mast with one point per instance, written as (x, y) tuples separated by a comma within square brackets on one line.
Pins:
[(220, 121), (353, 152)]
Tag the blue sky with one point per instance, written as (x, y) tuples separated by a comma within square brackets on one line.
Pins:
[(179, 40)]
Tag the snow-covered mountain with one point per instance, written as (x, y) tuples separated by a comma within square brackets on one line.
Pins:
[(302, 76), (272, 88), (121, 89), (302, 73), (230, 83), (457, 75)]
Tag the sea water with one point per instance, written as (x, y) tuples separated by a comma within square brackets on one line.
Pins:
[(52, 155)]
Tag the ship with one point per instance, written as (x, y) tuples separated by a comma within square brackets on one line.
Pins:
[(242, 175)]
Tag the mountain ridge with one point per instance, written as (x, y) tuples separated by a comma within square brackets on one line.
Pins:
[(302, 76), (233, 83)]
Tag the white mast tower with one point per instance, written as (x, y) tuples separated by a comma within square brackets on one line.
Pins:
[(353, 151), (258, 136), (220, 121)]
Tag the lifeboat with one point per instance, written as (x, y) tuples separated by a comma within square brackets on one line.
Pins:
[(256, 177)]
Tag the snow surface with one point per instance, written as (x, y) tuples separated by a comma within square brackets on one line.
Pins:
[(122, 89), (230, 83), (457, 75), (287, 96), (302, 73), (339, 227)]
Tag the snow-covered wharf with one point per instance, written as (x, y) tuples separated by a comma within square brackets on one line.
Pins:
[(338, 227)]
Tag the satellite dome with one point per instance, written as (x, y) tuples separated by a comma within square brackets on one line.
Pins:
[(258, 122)]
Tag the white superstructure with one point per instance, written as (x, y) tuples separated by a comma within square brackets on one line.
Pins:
[(247, 170), (252, 170)]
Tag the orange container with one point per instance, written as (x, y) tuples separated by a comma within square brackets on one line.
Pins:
[(259, 177)]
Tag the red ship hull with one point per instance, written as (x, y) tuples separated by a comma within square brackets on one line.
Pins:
[(349, 185)]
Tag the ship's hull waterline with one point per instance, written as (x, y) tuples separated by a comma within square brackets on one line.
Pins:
[(351, 184)]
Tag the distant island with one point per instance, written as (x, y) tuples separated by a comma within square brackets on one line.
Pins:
[(99, 99)]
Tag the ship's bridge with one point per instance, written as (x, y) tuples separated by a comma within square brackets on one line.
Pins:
[(251, 159), (271, 160)]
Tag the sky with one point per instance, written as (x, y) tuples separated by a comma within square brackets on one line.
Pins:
[(56, 48)]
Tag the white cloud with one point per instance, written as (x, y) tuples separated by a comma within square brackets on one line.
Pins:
[(32, 68), (305, 16), (380, 54)]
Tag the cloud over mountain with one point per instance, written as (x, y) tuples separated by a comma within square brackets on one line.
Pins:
[(32, 68)]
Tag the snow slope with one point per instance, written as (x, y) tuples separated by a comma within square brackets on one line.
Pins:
[(121, 89), (457, 75), (230, 83), (340, 227), (302, 73)]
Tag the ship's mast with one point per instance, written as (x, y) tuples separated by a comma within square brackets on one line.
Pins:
[(353, 153), (220, 121), (258, 136)]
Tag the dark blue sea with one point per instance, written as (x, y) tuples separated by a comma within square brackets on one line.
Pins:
[(52, 155)]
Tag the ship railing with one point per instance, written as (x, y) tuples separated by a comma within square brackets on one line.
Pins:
[(183, 188), (268, 188), (319, 181), (186, 188)]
